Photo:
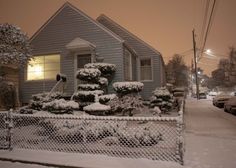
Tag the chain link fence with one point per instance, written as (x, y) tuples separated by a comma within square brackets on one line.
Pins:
[(156, 138)]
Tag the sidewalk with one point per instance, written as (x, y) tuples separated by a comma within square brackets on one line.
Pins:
[(72, 160), (210, 136)]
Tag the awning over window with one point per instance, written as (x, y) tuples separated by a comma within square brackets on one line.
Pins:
[(79, 44)]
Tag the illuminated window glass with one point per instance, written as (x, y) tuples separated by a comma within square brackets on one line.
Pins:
[(43, 67), (145, 69)]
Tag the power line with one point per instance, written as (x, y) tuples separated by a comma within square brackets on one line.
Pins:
[(208, 27)]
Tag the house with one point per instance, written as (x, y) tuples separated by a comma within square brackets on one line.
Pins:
[(70, 39)]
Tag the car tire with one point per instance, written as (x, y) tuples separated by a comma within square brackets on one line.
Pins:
[(225, 109)]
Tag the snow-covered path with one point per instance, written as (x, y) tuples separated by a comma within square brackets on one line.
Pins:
[(210, 136)]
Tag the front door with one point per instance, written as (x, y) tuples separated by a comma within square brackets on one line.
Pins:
[(81, 60)]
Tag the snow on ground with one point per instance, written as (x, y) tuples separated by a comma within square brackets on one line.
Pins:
[(210, 136), (9, 164)]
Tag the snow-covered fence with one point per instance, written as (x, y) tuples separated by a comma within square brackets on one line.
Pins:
[(156, 138)]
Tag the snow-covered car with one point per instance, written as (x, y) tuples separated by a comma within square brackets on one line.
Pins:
[(230, 105), (220, 99), (202, 96), (212, 93)]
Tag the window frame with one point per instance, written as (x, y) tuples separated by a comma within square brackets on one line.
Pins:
[(41, 80), (130, 65), (144, 58)]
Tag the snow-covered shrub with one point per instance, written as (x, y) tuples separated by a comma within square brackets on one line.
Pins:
[(106, 69), (88, 87), (60, 106), (142, 136), (7, 94), (126, 104), (103, 81), (162, 98), (14, 45), (127, 87), (106, 98), (87, 96), (43, 96), (89, 75), (38, 99), (97, 109)]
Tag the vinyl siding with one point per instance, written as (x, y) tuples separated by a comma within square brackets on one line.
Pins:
[(65, 26), (142, 50)]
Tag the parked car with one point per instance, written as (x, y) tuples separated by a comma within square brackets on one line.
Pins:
[(212, 93), (202, 95), (220, 99), (230, 105)]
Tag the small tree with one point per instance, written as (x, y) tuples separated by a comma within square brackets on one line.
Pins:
[(7, 94), (14, 45)]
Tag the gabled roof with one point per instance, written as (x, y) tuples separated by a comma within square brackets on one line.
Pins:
[(67, 4), (79, 43), (104, 17)]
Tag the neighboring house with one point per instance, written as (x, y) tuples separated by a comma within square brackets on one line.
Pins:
[(70, 39)]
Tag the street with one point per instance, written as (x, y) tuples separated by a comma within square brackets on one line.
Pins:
[(210, 136)]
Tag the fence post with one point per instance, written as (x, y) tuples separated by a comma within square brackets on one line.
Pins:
[(180, 138), (9, 123)]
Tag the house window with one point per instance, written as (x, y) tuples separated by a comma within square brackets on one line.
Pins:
[(128, 65), (82, 60), (43, 67), (145, 69)]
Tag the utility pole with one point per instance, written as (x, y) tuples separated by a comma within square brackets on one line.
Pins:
[(195, 63)]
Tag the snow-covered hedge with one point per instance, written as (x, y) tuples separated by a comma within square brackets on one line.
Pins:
[(106, 98), (60, 106), (119, 133), (88, 75), (106, 69), (128, 87), (88, 87)]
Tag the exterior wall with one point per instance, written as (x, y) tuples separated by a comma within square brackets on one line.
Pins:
[(142, 50), (66, 25)]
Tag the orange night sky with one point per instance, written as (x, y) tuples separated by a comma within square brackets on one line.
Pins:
[(164, 24)]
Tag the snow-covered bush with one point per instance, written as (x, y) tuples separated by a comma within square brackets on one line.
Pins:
[(103, 82), (7, 94), (87, 96), (88, 87), (96, 76), (106, 98), (60, 106), (38, 99), (14, 45), (127, 87), (142, 136), (88, 74), (126, 105), (106, 69), (97, 109), (161, 98)]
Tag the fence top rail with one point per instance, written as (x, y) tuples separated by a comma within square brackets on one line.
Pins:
[(90, 117)]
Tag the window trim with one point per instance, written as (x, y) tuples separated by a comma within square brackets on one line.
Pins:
[(41, 80), (139, 60), (130, 65)]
